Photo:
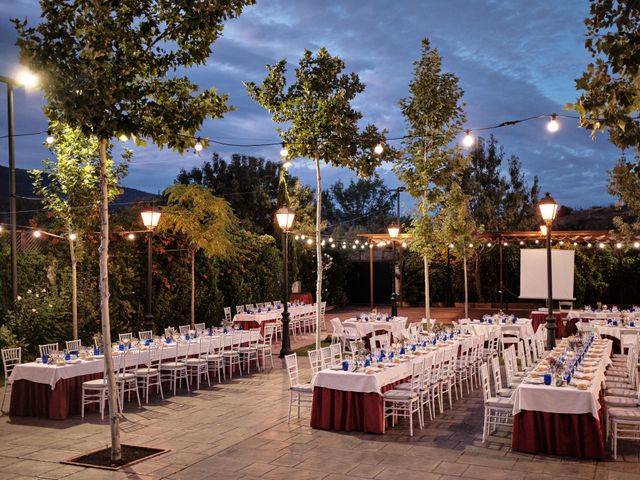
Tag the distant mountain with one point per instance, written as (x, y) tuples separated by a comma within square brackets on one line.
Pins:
[(594, 218), (24, 188)]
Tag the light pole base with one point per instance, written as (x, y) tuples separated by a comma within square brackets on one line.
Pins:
[(149, 322), (551, 332), (394, 305), (286, 338)]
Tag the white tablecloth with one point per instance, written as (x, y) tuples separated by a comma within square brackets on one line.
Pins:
[(567, 399), (273, 315), (616, 332), (589, 314), (523, 326), (50, 374), (396, 325), (372, 383)]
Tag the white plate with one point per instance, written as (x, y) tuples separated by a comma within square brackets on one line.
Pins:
[(534, 381), (336, 367)]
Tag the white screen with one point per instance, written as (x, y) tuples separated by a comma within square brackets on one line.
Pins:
[(533, 273)]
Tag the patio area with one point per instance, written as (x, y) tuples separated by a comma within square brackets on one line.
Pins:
[(239, 430)]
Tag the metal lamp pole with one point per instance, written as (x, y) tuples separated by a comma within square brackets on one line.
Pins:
[(27, 79), (150, 219), (548, 209), (285, 218)]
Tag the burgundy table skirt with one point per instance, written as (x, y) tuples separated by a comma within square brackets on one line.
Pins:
[(348, 411), (307, 298), (539, 318), (31, 399), (249, 324), (580, 436)]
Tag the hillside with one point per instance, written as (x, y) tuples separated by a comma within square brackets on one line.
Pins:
[(594, 218)]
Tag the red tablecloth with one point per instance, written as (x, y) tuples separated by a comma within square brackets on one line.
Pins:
[(31, 399), (348, 411), (559, 434), (307, 298), (539, 318), (249, 324)]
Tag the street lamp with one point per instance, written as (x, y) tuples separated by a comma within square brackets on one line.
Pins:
[(150, 219), (284, 217), (26, 79), (548, 210)]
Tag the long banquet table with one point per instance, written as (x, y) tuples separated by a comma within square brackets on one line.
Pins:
[(394, 325), (523, 326), (55, 391), (562, 420), (248, 320), (352, 401)]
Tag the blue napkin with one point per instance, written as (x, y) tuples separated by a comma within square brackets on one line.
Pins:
[(345, 365), (402, 352)]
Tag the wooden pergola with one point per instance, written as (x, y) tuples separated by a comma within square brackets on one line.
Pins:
[(502, 239)]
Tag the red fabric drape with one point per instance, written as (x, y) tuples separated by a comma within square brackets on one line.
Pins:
[(348, 411), (559, 434), (539, 318), (31, 399)]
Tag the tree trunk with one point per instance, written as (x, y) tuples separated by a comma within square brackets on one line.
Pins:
[(114, 418), (466, 289), (476, 277), (427, 301), (74, 288), (193, 288), (318, 250)]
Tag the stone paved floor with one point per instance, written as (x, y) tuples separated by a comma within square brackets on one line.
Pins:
[(239, 430)]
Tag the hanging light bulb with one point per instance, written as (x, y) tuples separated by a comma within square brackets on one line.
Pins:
[(468, 140), (122, 137), (451, 245), (357, 242), (37, 233), (297, 237), (73, 237), (588, 245), (131, 236), (198, 146), (601, 245), (344, 246), (353, 247), (561, 243), (489, 244), (309, 241), (331, 239), (575, 244), (618, 245), (50, 138), (553, 126), (635, 245), (333, 245), (521, 242), (537, 242), (284, 151), (362, 247), (378, 149)]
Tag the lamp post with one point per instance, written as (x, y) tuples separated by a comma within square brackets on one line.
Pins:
[(394, 232), (150, 219), (548, 209), (26, 79), (285, 217)]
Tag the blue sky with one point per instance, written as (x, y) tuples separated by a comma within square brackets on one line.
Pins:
[(514, 58)]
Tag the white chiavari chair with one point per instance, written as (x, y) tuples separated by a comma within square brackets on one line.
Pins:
[(73, 345), (227, 314), (10, 358), (406, 402), (497, 410), (215, 359), (172, 366), (300, 394), (198, 366), (125, 376), (125, 337), (231, 354), (145, 335), (315, 362), (48, 349), (264, 348), (248, 348), (147, 372)]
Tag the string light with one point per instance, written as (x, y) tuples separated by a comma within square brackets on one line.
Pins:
[(122, 137), (618, 245), (505, 244), (284, 151), (468, 140), (309, 241), (297, 237), (451, 245), (1, 228), (73, 237), (286, 165), (198, 146), (404, 244), (561, 243), (489, 244), (131, 236), (537, 242), (50, 138), (302, 237), (322, 243), (353, 247), (636, 245), (588, 245), (553, 126), (471, 245), (601, 245), (371, 245), (521, 242), (37, 233), (344, 246), (378, 149), (575, 244), (357, 242), (333, 245)]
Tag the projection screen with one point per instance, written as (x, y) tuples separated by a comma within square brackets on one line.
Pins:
[(533, 273)]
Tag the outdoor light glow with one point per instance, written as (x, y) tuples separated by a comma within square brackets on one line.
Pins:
[(131, 236), (150, 218), (26, 78), (489, 244), (521, 242), (548, 208), (537, 241), (285, 217), (588, 245), (505, 244), (37, 234), (198, 146), (601, 245), (302, 237), (378, 149), (73, 237), (451, 245), (468, 140), (331, 239), (122, 137), (286, 165), (309, 241), (553, 125), (635, 245), (297, 237), (284, 152), (333, 245), (575, 244), (394, 230), (561, 242), (471, 245), (50, 138), (618, 245), (543, 230)]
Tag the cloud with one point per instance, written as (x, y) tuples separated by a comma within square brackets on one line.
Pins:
[(514, 59)]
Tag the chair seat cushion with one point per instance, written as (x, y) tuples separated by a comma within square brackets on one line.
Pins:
[(95, 384), (196, 361), (499, 402), (505, 392), (172, 365), (399, 395), (147, 371), (302, 388), (613, 401), (624, 385), (615, 379), (618, 413), (247, 349), (125, 376), (213, 356), (230, 353), (617, 371), (622, 392)]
